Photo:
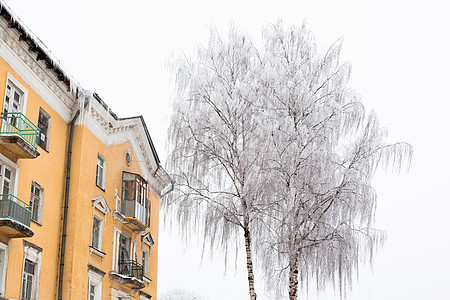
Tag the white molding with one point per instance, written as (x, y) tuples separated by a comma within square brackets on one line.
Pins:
[(32, 79), (113, 132), (96, 251), (96, 280), (148, 239), (146, 279), (33, 255), (100, 203)]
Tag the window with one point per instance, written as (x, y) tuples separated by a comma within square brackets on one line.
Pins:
[(91, 292), (14, 96), (94, 285), (44, 127), (27, 280), (145, 262), (8, 174), (5, 179), (14, 102), (36, 202), (100, 176), (31, 271), (97, 233), (3, 267)]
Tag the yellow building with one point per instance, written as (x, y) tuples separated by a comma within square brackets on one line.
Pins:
[(79, 186)]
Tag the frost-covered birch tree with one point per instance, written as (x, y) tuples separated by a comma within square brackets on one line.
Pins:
[(322, 156), (214, 138), (272, 148)]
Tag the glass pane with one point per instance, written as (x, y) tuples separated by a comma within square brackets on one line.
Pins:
[(35, 208), (29, 286), (124, 190), (99, 161), (5, 187), (7, 173), (132, 191)]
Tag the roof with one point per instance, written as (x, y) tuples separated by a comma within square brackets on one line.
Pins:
[(35, 45)]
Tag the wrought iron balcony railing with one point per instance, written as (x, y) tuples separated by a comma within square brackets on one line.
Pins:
[(131, 268), (14, 208), (18, 123)]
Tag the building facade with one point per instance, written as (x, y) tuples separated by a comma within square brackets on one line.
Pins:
[(79, 186)]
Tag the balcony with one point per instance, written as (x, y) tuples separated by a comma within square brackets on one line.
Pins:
[(130, 273), (134, 206), (19, 135), (15, 216), (134, 214)]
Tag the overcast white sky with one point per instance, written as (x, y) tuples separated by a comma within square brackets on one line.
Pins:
[(400, 52)]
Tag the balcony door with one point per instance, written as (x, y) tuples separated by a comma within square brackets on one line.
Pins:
[(5, 180), (13, 99), (13, 103)]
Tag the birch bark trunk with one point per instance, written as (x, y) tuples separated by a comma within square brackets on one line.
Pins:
[(293, 277), (248, 252)]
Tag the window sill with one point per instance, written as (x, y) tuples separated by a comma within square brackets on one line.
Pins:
[(146, 279), (103, 189), (96, 251), (37, 222), (46, 150)]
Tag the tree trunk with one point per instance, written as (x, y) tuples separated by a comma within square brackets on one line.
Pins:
[(293, 276), (248, 252)]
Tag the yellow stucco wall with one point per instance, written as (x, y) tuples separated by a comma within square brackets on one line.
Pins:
[(48, 170), (83, 188)]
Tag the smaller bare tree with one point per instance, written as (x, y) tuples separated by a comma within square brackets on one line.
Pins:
[(323, 154), (214, 146)]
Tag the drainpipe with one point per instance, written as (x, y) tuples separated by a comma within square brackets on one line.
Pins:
[(66, 206)]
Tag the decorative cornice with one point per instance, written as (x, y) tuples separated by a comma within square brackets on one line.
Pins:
[(31, 245), (96, 270), (37, 74)]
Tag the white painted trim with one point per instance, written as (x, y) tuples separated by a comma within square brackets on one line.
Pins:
[(115, 261), (31, 78), (5, 268)]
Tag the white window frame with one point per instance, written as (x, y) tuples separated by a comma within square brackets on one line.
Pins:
[(36, 185), (96, 281), (103, 172), (14, 82), (100, 211), (3, 269), (100, 230), (145, 262), (14, 175), (47, 134), (34, 255)]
